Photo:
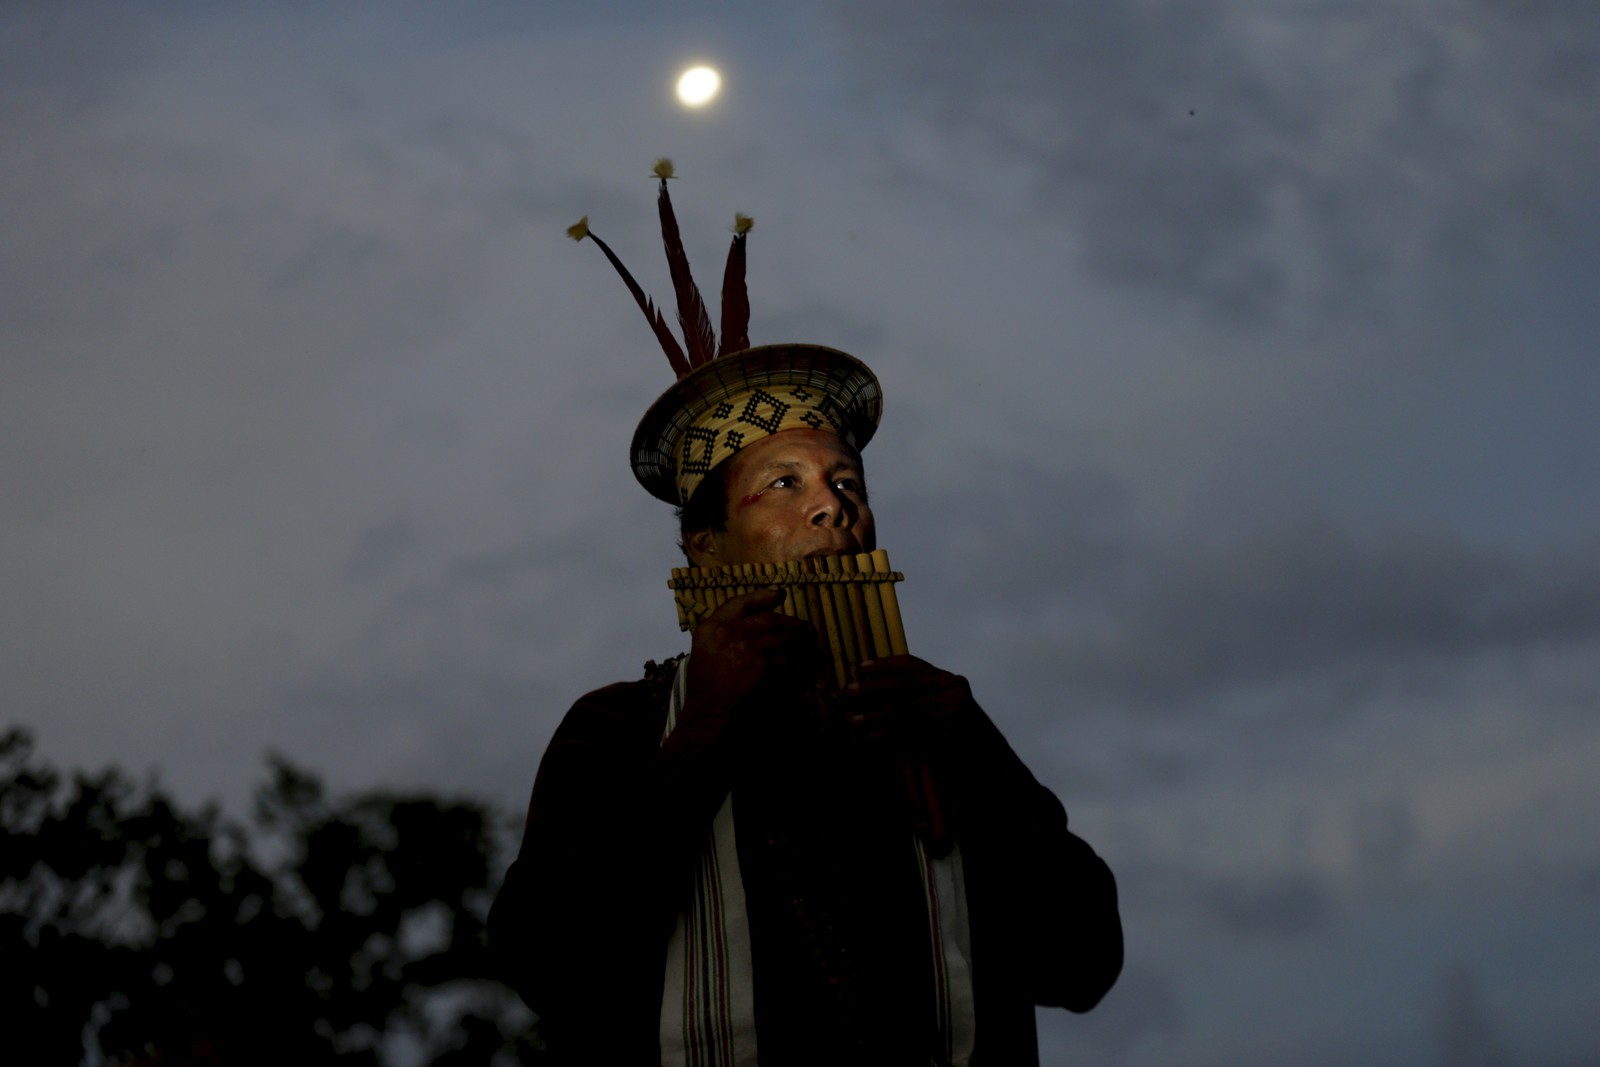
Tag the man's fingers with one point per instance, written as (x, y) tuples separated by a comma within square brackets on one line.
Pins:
[(759, 622), (892, 667), (765, 644), (745, 605), (758, 634)]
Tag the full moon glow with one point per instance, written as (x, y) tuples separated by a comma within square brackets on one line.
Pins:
[(697, 85)]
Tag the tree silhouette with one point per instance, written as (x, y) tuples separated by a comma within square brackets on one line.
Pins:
[(326, 930)]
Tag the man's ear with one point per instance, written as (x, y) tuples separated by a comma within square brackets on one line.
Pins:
[(703, 547)]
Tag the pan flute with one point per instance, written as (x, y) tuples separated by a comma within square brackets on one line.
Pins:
[(849, 599)]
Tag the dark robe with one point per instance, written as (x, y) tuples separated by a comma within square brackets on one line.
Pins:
[(837, 913)]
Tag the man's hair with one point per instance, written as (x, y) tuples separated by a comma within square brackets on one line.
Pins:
[(707, 509)]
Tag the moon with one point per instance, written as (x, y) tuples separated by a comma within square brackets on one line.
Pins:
[(697, 86)]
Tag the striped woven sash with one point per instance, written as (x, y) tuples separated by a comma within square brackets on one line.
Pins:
[(708, 1005)]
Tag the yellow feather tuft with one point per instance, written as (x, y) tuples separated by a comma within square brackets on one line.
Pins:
[(579, 230), (742, 223), (662, 168)]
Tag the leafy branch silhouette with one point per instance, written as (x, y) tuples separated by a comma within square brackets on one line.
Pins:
[(344, 930)]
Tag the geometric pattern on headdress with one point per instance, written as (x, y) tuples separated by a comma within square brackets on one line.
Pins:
[(737, 399), (729, 395)]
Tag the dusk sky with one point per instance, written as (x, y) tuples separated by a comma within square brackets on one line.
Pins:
[(1239, 438)]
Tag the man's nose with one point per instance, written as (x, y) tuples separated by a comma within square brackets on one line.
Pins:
[(830, 508)]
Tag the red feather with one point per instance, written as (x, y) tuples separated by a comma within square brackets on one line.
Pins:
[(735, 301), (669, 343), (691, 310)]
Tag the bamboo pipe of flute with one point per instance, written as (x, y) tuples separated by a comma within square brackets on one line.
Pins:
[(891, 605), (872, 600)]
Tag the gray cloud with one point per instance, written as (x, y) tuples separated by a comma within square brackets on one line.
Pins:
[(63, 64), (1144, 1007), (1253, 154), (1585, 881), (1312, 601), (1056, 578), (1021, 533), (1386, 837), (1464, 1031), (1291, 905)]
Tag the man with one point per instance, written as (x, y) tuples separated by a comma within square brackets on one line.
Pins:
[(723, 862)]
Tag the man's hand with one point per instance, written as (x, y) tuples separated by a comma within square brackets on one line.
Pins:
[(902, 705), (910, 712), (744, 646)]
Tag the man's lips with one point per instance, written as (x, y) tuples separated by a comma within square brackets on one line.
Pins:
[(840, 550)]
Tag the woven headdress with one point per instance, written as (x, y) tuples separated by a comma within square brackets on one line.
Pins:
[(729, 394)]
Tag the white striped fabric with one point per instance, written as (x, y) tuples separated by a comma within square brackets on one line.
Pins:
[(708, 1005)]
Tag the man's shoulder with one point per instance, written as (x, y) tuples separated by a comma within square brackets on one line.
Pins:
[(624, 708), (656, 683)]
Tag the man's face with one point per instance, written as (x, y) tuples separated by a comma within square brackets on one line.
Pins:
[(795, 494)]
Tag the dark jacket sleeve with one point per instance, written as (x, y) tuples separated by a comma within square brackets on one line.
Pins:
[(1044, 906), (582, 920)]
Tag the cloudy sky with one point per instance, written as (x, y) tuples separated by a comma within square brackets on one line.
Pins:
[(1238, 446)]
